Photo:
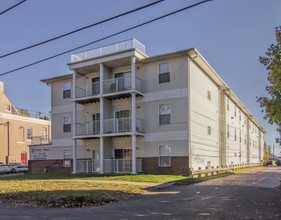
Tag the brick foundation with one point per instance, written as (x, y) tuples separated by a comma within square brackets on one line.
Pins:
[(179, 166), (53, 166)]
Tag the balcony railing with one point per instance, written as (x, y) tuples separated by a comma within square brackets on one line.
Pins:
[(40, 140), (113, 48), (110, 166), (88, 90), (88, 128), (119, 125), (109, 86)]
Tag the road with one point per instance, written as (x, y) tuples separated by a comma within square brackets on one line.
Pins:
[(249, 195)]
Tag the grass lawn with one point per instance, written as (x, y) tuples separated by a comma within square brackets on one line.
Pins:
[(129, 178), (31, 189)]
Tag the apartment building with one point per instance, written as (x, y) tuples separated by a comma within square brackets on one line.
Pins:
[(121, 111), (18, 130)]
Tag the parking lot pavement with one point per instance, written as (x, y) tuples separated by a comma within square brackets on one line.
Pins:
[(10, 174)]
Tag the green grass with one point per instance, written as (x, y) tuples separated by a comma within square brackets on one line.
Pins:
[(129, 178)]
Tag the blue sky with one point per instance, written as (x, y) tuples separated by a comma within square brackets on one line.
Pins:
[(230, 34)]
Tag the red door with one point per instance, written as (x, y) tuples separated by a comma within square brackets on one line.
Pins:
[(24, 158)]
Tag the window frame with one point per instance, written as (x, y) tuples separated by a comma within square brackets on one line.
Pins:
[(7, 108), (66, 91), (209, 95), (160, 73), (65, 130), (169, 156), (28, 136), (209, 130), (66, 159), (159, 114)]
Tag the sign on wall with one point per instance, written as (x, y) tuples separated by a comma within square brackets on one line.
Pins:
[(39, 153)]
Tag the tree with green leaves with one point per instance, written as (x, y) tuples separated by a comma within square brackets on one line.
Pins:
[(272, 102)]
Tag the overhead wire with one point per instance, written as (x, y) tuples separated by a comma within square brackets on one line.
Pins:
[(8, 9), (82, 28), (107, 37)]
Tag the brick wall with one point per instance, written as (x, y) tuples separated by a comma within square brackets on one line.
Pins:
[(179, 166), (54, 166)]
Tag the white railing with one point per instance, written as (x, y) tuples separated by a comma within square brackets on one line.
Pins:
[(88, 128), (90, 89), (110, 166), (113, 48)]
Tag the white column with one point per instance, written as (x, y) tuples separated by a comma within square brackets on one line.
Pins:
[(133, 70), (101, 78), (101, 155), (74, 114), (133, 112), (134, 160)]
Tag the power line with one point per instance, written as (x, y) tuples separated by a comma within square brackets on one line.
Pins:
[(109, 36), (8, 9), (82, 28)]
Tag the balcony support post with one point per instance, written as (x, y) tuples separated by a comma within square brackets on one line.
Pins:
[(101, 155), (101, 78), (133, 112), (134, 160), (133, 70), (74, 115)]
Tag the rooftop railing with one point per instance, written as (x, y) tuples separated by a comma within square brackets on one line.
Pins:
[(113, 48)]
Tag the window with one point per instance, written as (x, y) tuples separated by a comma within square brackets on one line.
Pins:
[(235, 137), (7, 108), (66, 90), (234, 111), (240, 137), (164, 72), (164, 114), (28, 134), (227, 130), (245, 139), (245, 120), (239, 115), (66, 154), (123, 154), (209, 130), (164, 156), (209, 95), (67, 123)]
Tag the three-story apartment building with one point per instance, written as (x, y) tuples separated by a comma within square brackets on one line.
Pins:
[(121, 111)]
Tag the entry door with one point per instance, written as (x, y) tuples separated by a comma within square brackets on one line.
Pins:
[(123, 81), (95, 86), (122, 121), (96, 123), (96, 161)]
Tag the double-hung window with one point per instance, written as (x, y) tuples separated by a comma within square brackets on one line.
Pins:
[(164, 156), (164, 114), (7, 108), (164, 72), (66, 90), (67, 123), (66, 154), (28, 134)]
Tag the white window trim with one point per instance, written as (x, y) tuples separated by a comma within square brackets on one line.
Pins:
[(67, 124), (27, 134), (169, 63), (159, 113), (170, 156)]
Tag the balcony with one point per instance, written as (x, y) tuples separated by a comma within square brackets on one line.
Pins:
[(110, 166), (112, 127), (110, 49), (88, 128), (121, 125), (112, 89), (40, 140)]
